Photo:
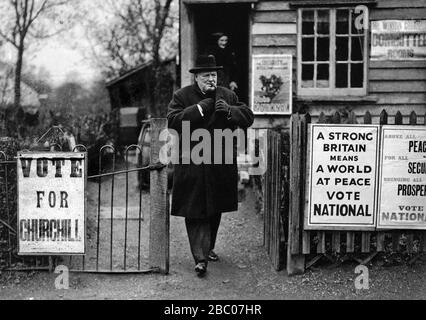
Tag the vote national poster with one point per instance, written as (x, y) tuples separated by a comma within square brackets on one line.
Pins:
[(342, 173), (51, 203)]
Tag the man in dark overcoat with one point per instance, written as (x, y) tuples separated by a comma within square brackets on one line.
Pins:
[(203, 191)]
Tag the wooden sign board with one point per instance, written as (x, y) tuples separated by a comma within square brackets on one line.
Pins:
[(341, 171), (398, 40), (272, 84), (51, 203), (402, 195)]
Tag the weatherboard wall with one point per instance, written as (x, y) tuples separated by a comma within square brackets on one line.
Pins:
[(391, 85)]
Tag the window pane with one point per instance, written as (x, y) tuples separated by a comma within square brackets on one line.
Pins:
[(342, 22), (307, 75), (307, 22), (322, 71), (342, 48), (307, 72), (357, 75), (323, 49), (323, 75), (323, 26), (341, 75), (357, 48), (308, 49)]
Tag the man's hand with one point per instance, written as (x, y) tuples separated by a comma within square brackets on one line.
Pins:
[(207, 105), (222, 106), (233, 85)]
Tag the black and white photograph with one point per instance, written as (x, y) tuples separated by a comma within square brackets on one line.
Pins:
[(212, 156)]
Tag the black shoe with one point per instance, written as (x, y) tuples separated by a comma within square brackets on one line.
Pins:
[(213, 256), (201, 269)]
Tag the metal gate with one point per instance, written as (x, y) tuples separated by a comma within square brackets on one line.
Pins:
[(127, 228)]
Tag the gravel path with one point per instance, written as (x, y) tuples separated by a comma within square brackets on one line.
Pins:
[(243, 272)]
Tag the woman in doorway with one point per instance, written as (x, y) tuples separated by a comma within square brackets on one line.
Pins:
[(227, 77)]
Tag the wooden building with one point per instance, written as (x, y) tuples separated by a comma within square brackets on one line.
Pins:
[(133, 89), (131, 97), (339, 62)]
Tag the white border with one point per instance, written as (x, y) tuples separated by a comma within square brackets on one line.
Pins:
[(308, 191), (289, 59), (379, 195), (83, 155)]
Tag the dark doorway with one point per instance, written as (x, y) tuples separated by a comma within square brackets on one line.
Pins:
[(233, 20)]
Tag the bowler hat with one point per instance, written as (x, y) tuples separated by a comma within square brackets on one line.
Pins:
[(205, 63)]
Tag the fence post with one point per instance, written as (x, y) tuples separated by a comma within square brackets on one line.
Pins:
[(295, 257), (159, 227)]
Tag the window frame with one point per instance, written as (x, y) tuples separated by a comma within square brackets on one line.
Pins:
[(332, 91)]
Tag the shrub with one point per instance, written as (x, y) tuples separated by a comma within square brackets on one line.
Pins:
[(8, 199)]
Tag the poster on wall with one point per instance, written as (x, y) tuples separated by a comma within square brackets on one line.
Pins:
[(341, 166), (272, 84), (402, 195), (51, 203), (398, 40)]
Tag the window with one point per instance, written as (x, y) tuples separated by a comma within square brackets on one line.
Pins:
[(331, 53)]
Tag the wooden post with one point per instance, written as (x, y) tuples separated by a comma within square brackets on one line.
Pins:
[(365, 242), (352, 118), (422, 235), (350, 242), (380, 241), (51, 264), (277, 201), (159, 227), (367, 118), (272, 200), (321, 242), (295, 257), (336, 241), (266, 192)]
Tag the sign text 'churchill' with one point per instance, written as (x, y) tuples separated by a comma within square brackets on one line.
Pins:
[(51, 203)]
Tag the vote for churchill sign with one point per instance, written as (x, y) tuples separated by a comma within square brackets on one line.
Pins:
[(51, 203), (342, 162), (403, 178)]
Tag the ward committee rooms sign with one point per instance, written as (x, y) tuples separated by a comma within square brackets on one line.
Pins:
[(342, 177), (51, 203)]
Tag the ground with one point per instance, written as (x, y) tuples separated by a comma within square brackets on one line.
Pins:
[(243, 272)]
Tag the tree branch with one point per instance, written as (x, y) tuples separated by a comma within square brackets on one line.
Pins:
[(10, 40), (38, 12), (14, 3)]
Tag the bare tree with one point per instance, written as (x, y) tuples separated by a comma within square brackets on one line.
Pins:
[(4, 86), (137, 31), (22, 19), (5, 80)]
